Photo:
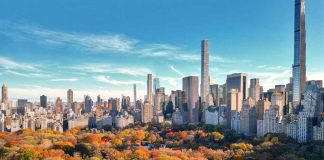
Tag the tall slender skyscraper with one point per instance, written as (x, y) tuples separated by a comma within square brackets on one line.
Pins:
[(299, 66), (134, 87), (190, 87), (149, 88), (69, 98), (4, 94), (204, 85)]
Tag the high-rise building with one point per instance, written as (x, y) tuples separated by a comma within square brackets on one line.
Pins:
[(58, 105), (43, 101), (236, 92), (134, 87), (234, 105), (248, 117), (277, 101), (204, 85), (99, 100), (190, 87), (156, 84), (149, 88), (255, 88), (147, 112), (159, 98), (4, 94), (88, 104), (299, 66), (261, 106), (222, 94), (69, 98), (214, 90), (237, 81), (21, 105)]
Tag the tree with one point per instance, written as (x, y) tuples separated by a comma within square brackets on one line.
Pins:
[(84, 150), (217, 136)]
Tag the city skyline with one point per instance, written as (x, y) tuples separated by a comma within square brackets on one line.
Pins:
[(40, 58)]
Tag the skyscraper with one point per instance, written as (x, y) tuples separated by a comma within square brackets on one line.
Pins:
[(58, 105), (21, 105), (234, 105), (237, 81), (204, 85), (134, 87), (255, 89), (214, 90), (149, 88), (147, 112), (4, 94), (156, 84), (190, 87), (69, 98), (43, 101), (299, 66)]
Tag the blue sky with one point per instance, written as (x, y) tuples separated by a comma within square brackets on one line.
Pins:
[(104, 46)]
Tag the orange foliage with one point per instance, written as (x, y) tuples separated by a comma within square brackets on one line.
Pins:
[(139, 135), (91, 138), (64, 144), (53, 153)]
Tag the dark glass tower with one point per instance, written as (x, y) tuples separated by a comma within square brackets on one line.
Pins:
[(299, 66)]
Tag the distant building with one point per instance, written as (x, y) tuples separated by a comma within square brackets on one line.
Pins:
[(234, 104), (204, 85), (190, 87), (261, 106), (248, 118), (177, 117), (299, 66), (156, 84), (235, 121), (318, 132), (69, 98), (237, 81), (304, 127), (21, 106), (5, 94), (292, 129), (134, 96), (149, 89), (255, 89), (215, 115), (88, 104), (43, 101), (214, 90), (147, 112), (59, 105)]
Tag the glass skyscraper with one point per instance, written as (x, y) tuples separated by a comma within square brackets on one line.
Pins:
[(299, 66), (204, 85)]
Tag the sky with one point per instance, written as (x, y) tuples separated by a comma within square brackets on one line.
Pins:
[(105, 46)]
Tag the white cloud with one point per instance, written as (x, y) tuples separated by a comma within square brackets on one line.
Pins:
[(104, 43), (176, 70), (173, 82), (65, 80), (108, 80), (108, 68), (6, 63), (315, 76), (83, 41)]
